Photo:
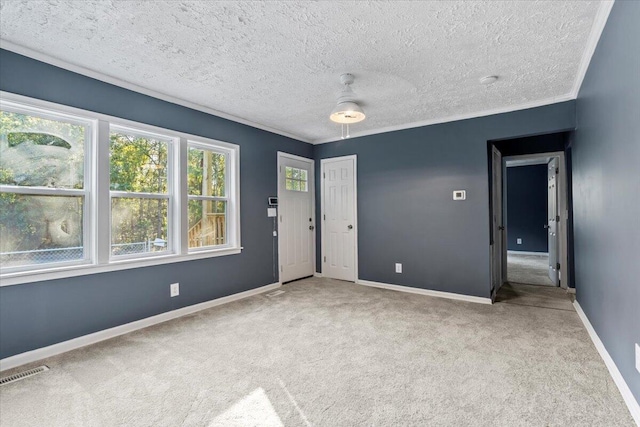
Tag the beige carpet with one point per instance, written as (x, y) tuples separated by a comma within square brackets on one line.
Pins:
[(528, 269), (328, 353)]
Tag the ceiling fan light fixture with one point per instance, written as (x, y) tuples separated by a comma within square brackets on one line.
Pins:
[(347, 112)]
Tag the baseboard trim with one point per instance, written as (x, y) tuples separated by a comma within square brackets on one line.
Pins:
[(316, 274), (427, 292), (527, 253), (75, 343), (628, 397)]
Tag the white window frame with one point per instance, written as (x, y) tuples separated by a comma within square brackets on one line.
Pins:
[(169, 196), (231, 209), (86, 193), (97, 216)]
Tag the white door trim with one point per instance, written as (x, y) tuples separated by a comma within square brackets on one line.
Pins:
[(323, 162), (563, 209), (312, 190)]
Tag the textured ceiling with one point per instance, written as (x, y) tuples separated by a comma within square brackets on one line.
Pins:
[(278, 63)]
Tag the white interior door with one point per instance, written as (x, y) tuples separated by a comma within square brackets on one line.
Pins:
[(296, 223), (497, 225), (339, 218), (552, 224)]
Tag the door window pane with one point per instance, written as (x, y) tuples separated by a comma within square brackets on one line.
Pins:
[(40, 229), (295, 179), (207, 223), (138, 225), (41, 152)]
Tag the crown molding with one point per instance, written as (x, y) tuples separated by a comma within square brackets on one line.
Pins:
[(599, 23), (454, 118), (43, 57)]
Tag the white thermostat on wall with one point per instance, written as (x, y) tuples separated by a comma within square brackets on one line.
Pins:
[(459, 194)]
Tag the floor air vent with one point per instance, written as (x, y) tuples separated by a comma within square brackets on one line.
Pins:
[(22, 375), (275, 293)]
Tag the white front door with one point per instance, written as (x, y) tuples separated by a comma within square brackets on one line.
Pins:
[(553, 218), (295, 217), (339, 218)]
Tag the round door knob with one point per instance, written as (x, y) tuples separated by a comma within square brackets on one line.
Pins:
[(350, 226)]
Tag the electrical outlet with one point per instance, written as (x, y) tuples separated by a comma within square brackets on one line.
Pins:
[(398, 267), (175, 289), (638, 357), (519, 241)]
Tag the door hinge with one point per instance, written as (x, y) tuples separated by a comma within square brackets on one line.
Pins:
[(557, 218), (325, 259), (558, 266), (324, 217), (557, 171), (324, 175), (280, 269), (280, 218)]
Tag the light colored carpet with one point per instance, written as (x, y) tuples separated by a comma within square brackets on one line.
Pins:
[(329, 353), (528, 269)]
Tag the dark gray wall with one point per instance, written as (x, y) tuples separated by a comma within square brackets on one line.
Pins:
[(527, 199), (406, 211), (606, 185), (44, 313)]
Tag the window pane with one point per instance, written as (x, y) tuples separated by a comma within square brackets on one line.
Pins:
[(207, 223), (41, 152), (296, 186), (288, 172), (138, 164), (289, 184), (40, 229), (303, 186), (303, 174), (206, 173), (138, 225)]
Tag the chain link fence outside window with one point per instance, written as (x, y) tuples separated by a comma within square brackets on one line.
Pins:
[(46, 256)]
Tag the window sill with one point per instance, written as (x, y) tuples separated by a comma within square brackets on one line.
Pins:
[(32, 276)]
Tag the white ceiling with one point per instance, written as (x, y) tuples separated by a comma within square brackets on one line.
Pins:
[(277, 64)]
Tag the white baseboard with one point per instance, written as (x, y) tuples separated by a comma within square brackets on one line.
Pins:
[(316, 274), (419, 291), (628, 397), (528, 253), (72, 344)]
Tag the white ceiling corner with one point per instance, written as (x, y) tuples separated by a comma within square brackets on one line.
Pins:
[(276, 65)]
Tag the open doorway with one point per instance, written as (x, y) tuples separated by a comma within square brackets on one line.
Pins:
[(531, 225), (530, 213)]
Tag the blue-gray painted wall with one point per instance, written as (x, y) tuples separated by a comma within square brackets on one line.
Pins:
[(39, 314), (406, 211), (606, 187), (527, 198)]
